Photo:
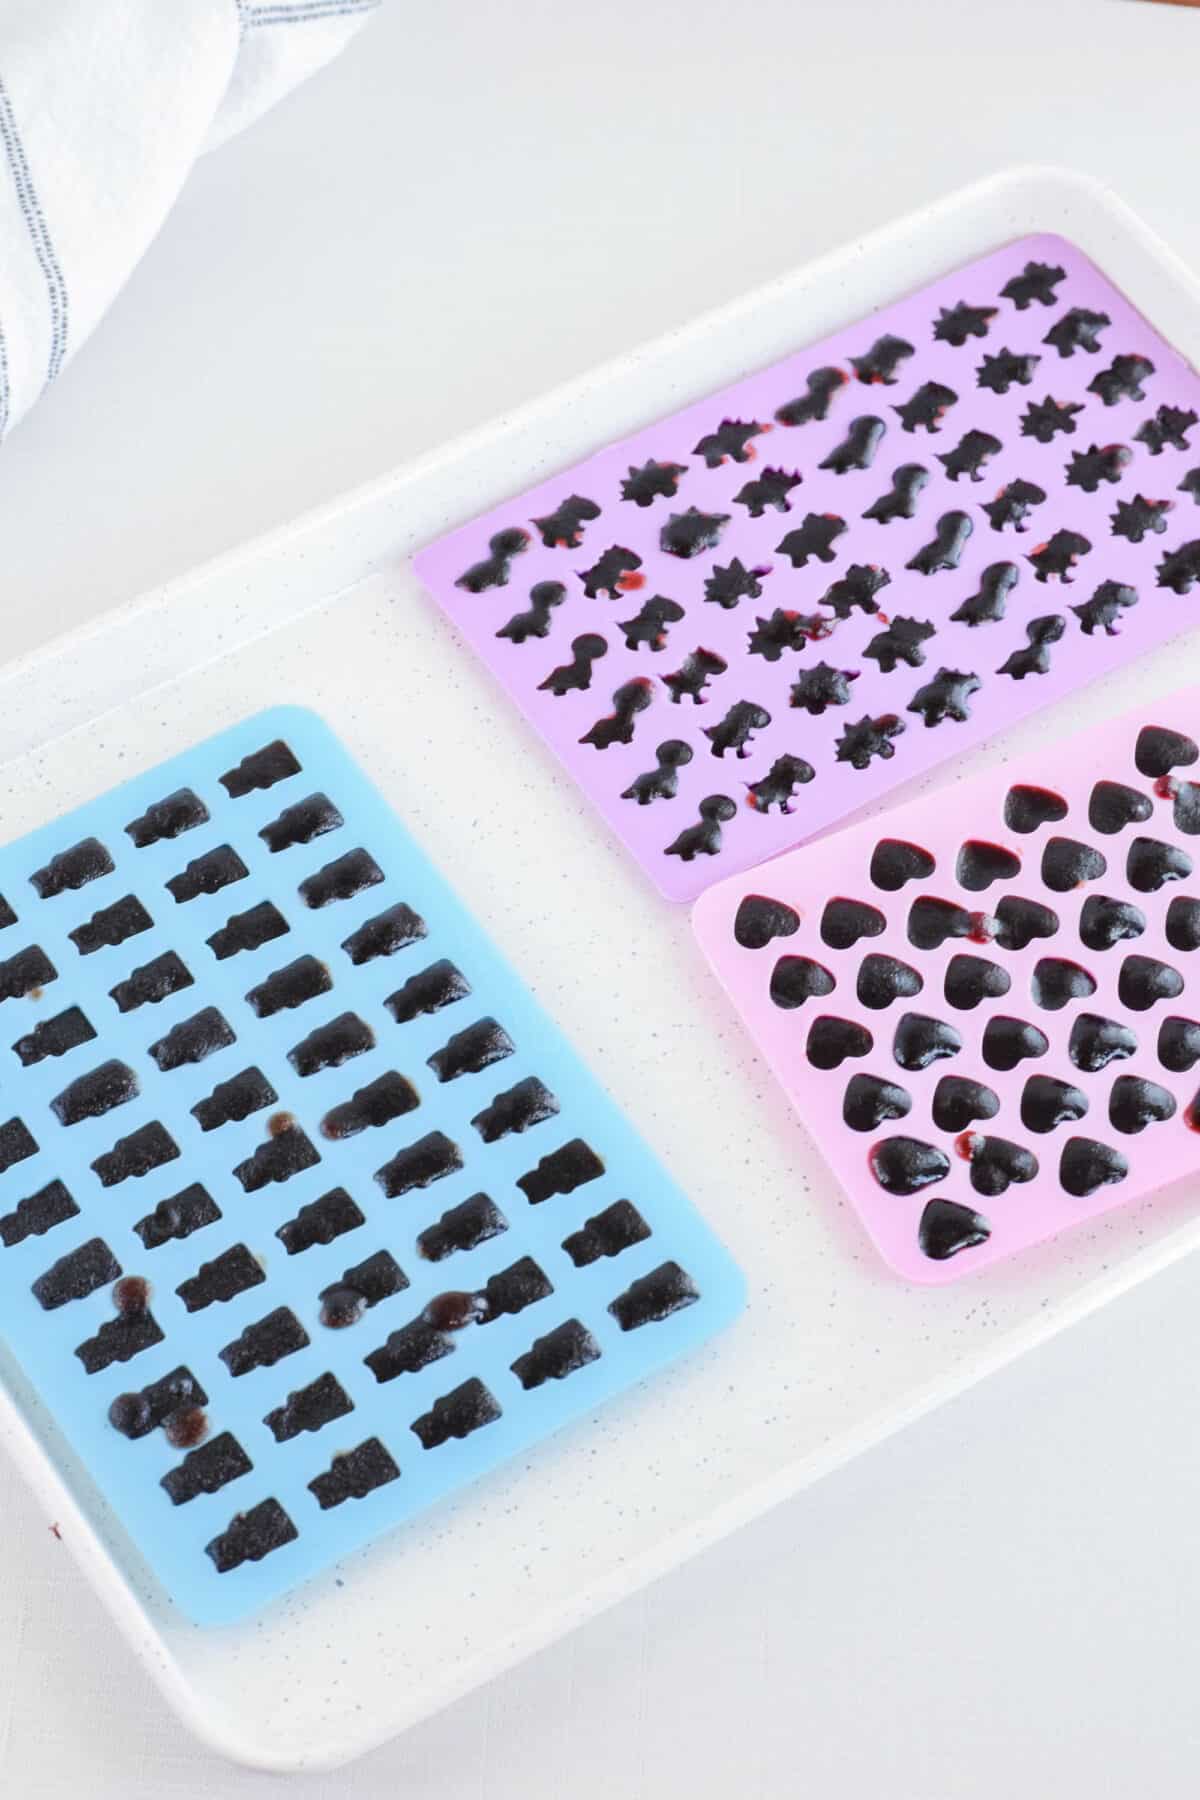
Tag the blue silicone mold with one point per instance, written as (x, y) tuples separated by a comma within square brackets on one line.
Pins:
[(570, 1287)]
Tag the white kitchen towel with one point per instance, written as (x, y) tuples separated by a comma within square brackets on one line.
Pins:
[(104, 107)]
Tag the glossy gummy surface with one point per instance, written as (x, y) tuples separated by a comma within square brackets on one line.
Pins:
[(263, 1210), (1039, 1079)]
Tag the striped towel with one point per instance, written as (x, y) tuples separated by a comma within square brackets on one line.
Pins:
[(104, 106)]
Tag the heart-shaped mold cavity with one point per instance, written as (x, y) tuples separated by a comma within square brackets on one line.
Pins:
[(795, 979), (1104, 921), (932, 921), (1055, 982), (869, 1101), (995, 1162), (1144, 981), (882, 979), (979, 864), (1135, 1103), (1183, 923), (1007, 1042), (1029, 807), (759, 919), (946, 1228), (920, 1040), (958, 1101), (1187, 807), (1046, 1102), (1086, 1165), (894, 862), (844, 921), (1159, 750), (1025, 808), (972, 979), (1067, 864), (1113, 806), (831, 1040), (1179, 1044), (1018, 921), (1095, 1042), (1150, 864), (904, 1165)]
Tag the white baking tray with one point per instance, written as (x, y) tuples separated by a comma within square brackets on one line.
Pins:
[(833, 1352)]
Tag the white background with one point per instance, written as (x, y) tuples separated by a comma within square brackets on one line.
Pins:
[(476, 202)]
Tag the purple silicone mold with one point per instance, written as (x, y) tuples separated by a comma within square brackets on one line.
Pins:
[(744, 623)]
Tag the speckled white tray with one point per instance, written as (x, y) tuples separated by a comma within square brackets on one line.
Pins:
[(833, 1351)]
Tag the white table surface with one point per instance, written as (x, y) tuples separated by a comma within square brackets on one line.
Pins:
[(478, 201)]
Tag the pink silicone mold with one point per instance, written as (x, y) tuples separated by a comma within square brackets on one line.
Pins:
[(744, 623), (985, 1006)]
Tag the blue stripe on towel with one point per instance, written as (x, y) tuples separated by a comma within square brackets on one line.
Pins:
[(38, 232), (296, 12)]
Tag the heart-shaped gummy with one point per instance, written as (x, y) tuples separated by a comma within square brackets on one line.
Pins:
[(1095, 1042), (831, 1040), (1187, 808), (920, 1040), (844, 921), (980, 863), (1046, 1102), (1134, 1103), (1067, 864), (1183, 923), (1006, 1042), (759, 919), (904, 1165), (1018, 921), (1086, 1165), (972, 979), (931, 922), (1144, 980), (1025, 808), (882, 979), (1056, 982), (1113, 806), (1150, 864), (1159, 750), (1104, 922), (869, 1101), (893, 862), (1179, 1044), (946, 1228), (958, 1101), (995, 1162), (795, 979)]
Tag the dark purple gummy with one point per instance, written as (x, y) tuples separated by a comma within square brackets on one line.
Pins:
[(1055, 982), (1047, 1102), (958, 1101), (1007, 1042), (972, 979)]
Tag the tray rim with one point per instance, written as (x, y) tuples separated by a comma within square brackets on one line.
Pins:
[(305, 542)]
